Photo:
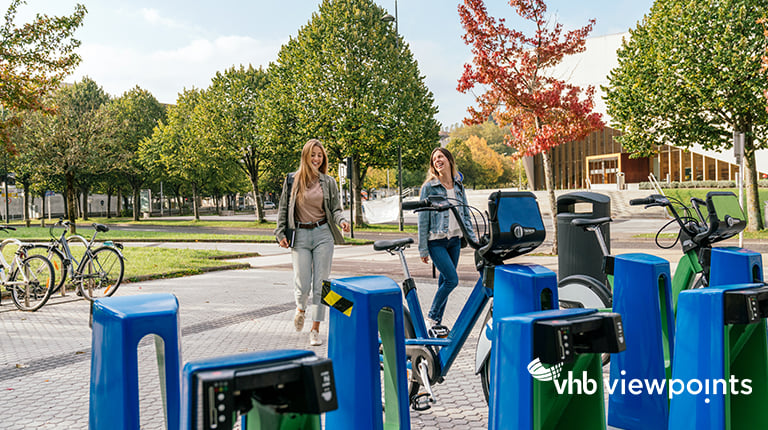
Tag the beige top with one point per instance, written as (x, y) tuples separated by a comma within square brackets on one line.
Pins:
[(311, 207)]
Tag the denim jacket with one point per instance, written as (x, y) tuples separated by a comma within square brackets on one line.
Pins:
[(331, 206), (437, 222)]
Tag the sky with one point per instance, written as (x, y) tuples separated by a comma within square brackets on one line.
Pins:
[(165, 46)]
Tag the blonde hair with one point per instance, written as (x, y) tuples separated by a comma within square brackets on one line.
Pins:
[(432, 172), (307, 173)]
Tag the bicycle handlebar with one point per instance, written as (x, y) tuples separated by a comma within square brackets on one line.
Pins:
[(439, 204), (641, 202)]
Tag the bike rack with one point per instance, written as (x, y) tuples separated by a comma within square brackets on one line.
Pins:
[(285, 389), (643, 297), (363, 308), (721, 334), (119, 323), (569, 342), (730, 265)]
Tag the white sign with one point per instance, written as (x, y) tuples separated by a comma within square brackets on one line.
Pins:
[(342, 170)]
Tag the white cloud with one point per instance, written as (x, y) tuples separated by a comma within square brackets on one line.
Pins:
[(153, 17), (165, 73)]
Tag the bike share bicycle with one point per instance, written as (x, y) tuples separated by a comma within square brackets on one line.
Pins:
[(99, 271), (29, 278), (697, 233), (514, 228)]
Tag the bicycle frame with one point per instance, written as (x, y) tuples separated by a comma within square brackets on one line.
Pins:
[(451, 345)]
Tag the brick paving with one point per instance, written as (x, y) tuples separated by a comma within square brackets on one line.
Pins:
[(45, 355)]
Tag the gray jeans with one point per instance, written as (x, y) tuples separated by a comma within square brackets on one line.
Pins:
[(312, 254)]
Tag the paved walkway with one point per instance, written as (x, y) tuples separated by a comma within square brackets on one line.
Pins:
[(45, 356)]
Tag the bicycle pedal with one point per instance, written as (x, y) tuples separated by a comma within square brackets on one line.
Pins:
[(422, 401), (439, 331)]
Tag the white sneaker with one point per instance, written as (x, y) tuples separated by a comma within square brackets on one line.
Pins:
[(298, 320), (314, 338)]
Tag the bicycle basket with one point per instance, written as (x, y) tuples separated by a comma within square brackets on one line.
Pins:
[(516, 226)]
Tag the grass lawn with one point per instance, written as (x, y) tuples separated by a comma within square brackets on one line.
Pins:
[(42, 234)]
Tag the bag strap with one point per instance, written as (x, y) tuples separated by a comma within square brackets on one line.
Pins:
[(289, 182)]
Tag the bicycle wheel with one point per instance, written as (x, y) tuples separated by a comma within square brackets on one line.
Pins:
[(57, 260), (35, 292), (580, 291), (485, 370), (101, 273)]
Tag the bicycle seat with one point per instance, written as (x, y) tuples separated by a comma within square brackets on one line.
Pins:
[(586, 222), (391, 245), (101, 228)]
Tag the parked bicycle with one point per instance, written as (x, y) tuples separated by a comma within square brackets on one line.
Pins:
[(514, 227), (29, 278), (98, 272)]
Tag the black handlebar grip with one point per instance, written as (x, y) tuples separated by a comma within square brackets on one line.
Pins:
[(644, 201), (413, 205)]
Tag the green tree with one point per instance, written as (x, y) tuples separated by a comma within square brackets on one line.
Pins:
[(135, 114), (489, 130), (690, 74), (490, 166), (235, 113), (348, 79), (185, 149), (465, 163), (34, 58), (74, 142)]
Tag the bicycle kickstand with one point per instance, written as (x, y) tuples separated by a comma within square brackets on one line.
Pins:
[(423, 400)]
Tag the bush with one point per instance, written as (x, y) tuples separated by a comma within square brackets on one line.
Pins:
[(645, 186)]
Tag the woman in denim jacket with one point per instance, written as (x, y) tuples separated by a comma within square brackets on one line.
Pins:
[(313, 209), (439, 232)]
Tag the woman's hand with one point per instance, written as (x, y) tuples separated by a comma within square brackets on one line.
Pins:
[(284, 243), (425, 260), (345, 226)]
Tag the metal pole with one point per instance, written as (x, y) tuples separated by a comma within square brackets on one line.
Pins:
[(161, 199), (7, 214), (399, 144)]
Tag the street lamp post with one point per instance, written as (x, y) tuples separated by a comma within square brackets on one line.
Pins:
[(390, 18)]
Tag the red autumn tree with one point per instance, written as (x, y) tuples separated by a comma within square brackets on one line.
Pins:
[(764, 58), (515, 72)]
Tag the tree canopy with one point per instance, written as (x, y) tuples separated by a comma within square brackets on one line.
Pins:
[(348, 79), (34, 59), (690, 74), (519, 91)]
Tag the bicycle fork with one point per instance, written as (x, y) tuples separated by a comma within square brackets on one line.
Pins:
[(422, 359)]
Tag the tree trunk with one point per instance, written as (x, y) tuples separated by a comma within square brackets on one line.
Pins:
[(754, 218), (85, 192), (119, 209), (180, 202), (71, 202), (109, 204), (195, 208), (259, 209), (136, 203), (551, 195), (26, 204), (42, 214), (356, 197)]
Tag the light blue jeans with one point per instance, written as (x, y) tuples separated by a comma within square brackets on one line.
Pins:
[(445, 256), (312, 254)]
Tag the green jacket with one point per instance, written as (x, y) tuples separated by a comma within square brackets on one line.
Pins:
[(331, 205)]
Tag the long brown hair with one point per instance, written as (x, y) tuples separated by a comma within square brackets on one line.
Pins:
[(432, 173), (307, 173)]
